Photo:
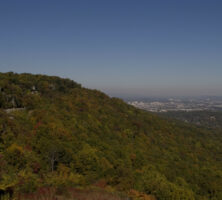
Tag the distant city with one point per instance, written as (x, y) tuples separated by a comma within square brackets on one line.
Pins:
[(178, 104)]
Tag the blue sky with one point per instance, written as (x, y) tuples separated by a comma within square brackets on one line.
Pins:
[(122, 47)]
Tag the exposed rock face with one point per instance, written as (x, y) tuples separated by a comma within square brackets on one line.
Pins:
[(9, 110), (33, 88), (13, 102)]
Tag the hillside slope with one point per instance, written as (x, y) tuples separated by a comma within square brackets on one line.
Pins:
[(53, 132), (208, 119)]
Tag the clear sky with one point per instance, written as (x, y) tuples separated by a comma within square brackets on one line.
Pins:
[(122, 47)]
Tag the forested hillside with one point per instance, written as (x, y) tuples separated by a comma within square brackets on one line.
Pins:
[(208, 119), (55, 133)]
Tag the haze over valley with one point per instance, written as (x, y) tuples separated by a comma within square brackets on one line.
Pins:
[(179, 104)]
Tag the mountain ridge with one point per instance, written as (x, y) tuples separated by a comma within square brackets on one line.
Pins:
[(96, 138)]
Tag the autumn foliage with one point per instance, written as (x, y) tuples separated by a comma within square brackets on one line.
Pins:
[(58, 138)]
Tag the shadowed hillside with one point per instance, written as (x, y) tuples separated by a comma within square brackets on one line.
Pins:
[(55, 133)]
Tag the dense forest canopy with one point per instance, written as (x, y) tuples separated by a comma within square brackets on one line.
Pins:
[(207, 118), (53, 132)]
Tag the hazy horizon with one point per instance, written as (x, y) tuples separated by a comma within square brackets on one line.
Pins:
[(124, 48)]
